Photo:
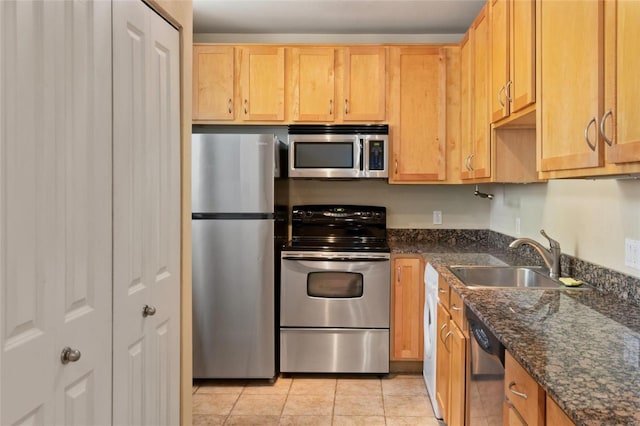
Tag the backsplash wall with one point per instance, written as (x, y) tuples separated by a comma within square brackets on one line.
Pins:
[(408, 206), (589, 218)]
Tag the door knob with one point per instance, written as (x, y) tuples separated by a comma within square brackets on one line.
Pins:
[(148, 311), (69, 355)]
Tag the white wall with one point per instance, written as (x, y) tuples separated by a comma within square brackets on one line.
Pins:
[(408, 206), (590, 218)]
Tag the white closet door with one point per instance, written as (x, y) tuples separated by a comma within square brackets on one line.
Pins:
[(146, 216), (55, 211)]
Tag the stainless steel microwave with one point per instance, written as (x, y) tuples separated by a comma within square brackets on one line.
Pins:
[(338, 151)]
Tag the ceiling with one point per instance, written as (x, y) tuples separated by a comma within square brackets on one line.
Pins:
[(334, 16)]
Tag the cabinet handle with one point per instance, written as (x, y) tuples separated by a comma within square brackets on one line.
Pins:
[(466, 162), (69, 355), (500, 97), (441, 290), (470, 165), (440, 332), (229, 106), (330, 106), (398, 274), (586, 133), (507, 91), (520, 394), (396, 166), (346, 106), (455, 308), (602, 131), (245, 107), (444, 342)]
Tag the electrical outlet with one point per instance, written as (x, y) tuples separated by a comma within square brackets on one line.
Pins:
[(437, 217), (632, 253), (517, 226)]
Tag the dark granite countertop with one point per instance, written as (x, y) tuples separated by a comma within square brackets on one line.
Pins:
[(582, 346)]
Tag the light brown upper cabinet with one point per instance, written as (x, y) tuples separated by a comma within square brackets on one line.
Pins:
[(512, 56), (313, 74), (619, 125), (571, 59), (364, 83), (213, 82), (262, 83), (476, 142), (417, 114)]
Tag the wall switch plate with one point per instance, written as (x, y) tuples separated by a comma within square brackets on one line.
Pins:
[(437, 217), (632, 253)]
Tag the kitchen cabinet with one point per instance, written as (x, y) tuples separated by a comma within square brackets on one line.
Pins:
[(417, 114), (619, 125), (555, 416), (524, 398), (588, 99), (238, 84), (476, 152), (408, 309), (313, 74), (262, 83), (365, 83), (213, 82), (512, 57), (451, 357)]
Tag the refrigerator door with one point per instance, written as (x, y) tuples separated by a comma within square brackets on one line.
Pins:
[(232, 173), (233, 299)]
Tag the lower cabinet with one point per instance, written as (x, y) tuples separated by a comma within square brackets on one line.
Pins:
[(407, 325), (525, 402), (451, 361)]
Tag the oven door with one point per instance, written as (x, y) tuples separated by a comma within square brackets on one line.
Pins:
[(335, 290)]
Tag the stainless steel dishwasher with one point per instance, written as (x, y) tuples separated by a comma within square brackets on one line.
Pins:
[(486, 386)]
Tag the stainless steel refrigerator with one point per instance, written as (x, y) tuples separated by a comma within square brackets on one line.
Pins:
[(237, 227)]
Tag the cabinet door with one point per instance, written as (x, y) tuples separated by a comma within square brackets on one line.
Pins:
[(571, 84), (466, 100), (364, 83), (55, 212), (481, 158), (417, 113), (555, 416), (313, 77), (623, 86), (443, 362), (146, 226), (522, 44), (408, 305), (262, 83), (213, 88), (458, 376), (499, 59)]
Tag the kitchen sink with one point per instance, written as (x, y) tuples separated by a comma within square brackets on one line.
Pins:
[(505, 276)]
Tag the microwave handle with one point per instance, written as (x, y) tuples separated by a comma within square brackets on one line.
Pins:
[(361, 159)]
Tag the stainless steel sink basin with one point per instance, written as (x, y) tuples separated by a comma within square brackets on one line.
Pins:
[(505, 276)]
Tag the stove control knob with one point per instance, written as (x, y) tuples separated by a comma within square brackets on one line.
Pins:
[(308, 213)]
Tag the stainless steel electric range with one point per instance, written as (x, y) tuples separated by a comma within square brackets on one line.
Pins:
[(334, 312)]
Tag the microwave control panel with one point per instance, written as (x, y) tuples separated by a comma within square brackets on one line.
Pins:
[(376, 155)]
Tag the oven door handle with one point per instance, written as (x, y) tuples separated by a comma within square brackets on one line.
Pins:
[(336, 259)]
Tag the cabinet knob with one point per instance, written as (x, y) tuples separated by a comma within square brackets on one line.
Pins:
[(69, 355), (148, 311)]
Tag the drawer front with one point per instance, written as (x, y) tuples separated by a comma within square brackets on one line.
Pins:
[(443, 292), (523, 392), (456, 308)]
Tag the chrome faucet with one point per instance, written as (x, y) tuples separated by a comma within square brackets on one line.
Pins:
[(551, 256)]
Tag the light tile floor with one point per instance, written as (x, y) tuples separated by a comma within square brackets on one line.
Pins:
[(395, 400)]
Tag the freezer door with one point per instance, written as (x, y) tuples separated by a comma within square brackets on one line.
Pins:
[(233, 299), (232, 173)]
